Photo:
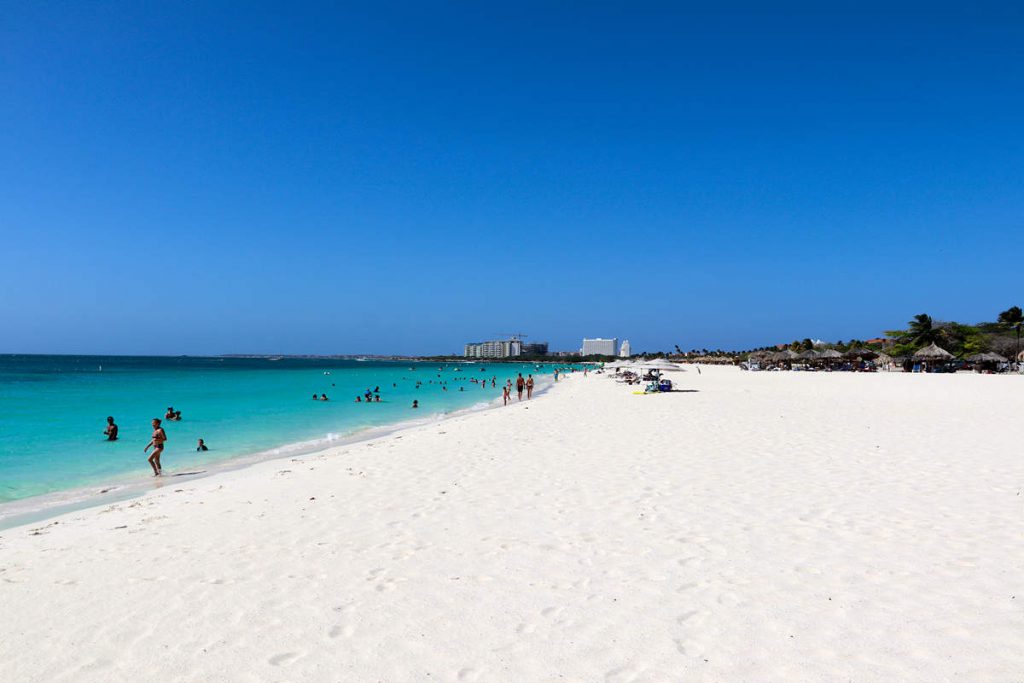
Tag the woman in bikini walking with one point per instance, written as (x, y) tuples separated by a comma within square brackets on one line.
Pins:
[(157, 442)]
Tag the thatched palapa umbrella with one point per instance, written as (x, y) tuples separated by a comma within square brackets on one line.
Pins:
[(860, 352), (933, 353), (830, 354)]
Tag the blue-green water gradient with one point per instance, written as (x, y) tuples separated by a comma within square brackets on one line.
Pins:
[(53, 409)]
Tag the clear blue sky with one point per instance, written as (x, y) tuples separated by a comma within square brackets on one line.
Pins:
[(391, 177)]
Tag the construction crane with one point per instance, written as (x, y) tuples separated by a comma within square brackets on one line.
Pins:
[(514, 336)]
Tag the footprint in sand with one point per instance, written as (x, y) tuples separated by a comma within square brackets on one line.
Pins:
[(728, 599), (623, 674), (283, 659), (346, 631), (683, 618), (386, 585), (688, 648)]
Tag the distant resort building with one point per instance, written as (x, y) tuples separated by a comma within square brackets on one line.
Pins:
[(624, 351), (535, 349), (503, 348), (600, 347)]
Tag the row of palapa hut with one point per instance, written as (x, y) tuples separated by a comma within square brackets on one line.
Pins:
[(931, 358)]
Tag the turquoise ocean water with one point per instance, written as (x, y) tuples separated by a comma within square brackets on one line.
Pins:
[(53, 411)]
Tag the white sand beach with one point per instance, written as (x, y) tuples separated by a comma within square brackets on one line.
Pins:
[(756, 527)]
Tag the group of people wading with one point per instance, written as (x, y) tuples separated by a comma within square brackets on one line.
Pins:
[(156, 442)]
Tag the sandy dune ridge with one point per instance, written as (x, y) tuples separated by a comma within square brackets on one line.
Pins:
[(758, 527)]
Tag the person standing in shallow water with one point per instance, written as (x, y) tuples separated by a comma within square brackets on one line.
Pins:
[(111, 430), (157, 442)]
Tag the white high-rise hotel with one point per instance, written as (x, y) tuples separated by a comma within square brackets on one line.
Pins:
[(505, 348), (600, 347), (624, 350)]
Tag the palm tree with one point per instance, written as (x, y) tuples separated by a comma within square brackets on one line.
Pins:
[(1012, 317), (921, 331)]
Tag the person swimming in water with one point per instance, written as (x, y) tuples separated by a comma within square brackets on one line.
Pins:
[(111, 431), (157, 442), (415, 404), (202, 446), (323, 397)]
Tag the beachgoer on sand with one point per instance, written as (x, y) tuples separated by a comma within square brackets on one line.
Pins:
[(157, 442)]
